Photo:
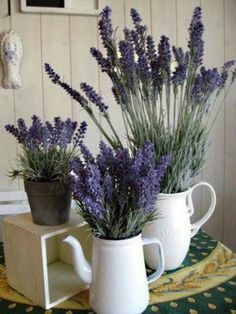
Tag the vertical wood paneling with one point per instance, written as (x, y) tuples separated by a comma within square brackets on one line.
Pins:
[(104, 82), (213, 171), (164, 19), (144, 9), (83, 68), (29, 98), (56, 51), (229, 221), (184, 15), (7, 115)]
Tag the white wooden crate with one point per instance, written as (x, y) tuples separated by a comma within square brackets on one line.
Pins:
[(38, 263)]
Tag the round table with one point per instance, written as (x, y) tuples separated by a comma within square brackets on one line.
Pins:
[(205, 283)]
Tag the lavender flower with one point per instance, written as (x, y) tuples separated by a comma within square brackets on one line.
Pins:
[(137, 42), (14, 131), (88, 157), (179, 75), (104, 63), (224, 77), (196, 93), (211, 79), (105, 159), (93, 182), (105, 26), (79, 135), (144, 68), (93, 97), (151, 49), (164, 55), (46, 151), (69, 90), (51, 73), (35, 131), (108, 187), (115, 187), (141, 29), (127, 34), (196, 43), (227, 65), (127, 58), (136, 18), (67, 132), (119, 91)]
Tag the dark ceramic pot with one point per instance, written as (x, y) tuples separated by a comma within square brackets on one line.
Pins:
[(49, 202)]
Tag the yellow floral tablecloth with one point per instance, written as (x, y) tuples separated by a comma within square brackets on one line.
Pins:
[(205, 283)]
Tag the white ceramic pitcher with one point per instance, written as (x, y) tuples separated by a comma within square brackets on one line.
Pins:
[(173, 227), (117, 275)]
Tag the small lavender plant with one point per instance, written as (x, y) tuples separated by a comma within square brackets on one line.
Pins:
[(116, 193), (169, 108), (47, 149)]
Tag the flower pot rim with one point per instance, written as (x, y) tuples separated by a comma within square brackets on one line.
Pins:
[(174, 194), (118, 242), (42, 182)]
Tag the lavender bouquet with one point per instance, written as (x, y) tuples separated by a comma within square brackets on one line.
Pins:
[(47, 149), (116, 193), (172, 109)]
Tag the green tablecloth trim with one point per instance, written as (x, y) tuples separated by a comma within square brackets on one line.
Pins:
[(205, 283)]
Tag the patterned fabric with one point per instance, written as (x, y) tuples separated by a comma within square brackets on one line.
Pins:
[(205, 283)]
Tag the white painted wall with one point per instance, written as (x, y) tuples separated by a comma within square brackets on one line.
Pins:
[(64, 41)]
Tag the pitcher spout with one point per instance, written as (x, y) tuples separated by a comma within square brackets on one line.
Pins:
[(81, 267)]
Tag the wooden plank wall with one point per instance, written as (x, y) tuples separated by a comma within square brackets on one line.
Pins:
[(64, 41)]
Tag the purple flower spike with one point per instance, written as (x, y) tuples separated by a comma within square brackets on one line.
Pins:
[(69, 90), (105, 26), (127, 57), (229, 64), (164, 54), (180, 72), (151, 49), (104, 63), (79, 136), (144, 68), (196, 43), (140, 29), (196, 94), (93, 97), (136, 18), (224, 77), (87, 155), (127, 34)]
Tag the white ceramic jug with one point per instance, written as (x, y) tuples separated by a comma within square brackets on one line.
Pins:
[(117, 275), (173, 227)]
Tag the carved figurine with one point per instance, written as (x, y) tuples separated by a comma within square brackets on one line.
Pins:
[(11, 54)]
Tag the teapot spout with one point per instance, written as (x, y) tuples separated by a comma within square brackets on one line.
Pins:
[(81, 267)]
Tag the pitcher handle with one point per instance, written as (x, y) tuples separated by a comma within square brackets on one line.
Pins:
[(161, 264), (197, 225)]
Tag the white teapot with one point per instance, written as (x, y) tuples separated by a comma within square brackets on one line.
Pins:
[(117, 276)]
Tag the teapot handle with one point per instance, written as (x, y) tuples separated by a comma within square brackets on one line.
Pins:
[(197, 225), (161, 263)]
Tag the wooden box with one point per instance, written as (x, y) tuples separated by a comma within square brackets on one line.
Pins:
[(38, 263)]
